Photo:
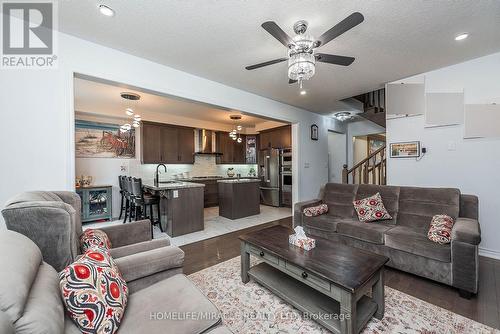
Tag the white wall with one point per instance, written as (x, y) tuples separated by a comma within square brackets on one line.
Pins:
[(37, 127), (337, 155), (474, 165), (359, 148)]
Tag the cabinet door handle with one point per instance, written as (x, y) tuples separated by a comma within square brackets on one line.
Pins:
[(262, 254), (304, 274)]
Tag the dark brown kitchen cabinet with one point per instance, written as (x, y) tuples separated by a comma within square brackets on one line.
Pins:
[(276, 138), (232, 151), (169, 144)]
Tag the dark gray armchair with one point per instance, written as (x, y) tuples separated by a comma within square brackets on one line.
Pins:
[(52, 220)]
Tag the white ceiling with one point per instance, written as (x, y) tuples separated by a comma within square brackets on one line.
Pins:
[(216, 39), (104, 99)]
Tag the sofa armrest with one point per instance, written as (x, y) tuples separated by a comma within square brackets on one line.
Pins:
[(128, 233), (117, 252), (466, 230), (299, 209), (139, 265)]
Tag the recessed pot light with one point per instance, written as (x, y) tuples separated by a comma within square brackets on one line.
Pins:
[(461, 37), (106, 11), (303, 92)]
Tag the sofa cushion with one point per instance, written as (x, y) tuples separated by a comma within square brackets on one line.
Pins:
[(5, 324), (417, 206), (373, 233), (138, 247), (94, 292), (92, 238), (20, 264), (371, 209), (415, 241), (161, 307), (339, 199), (440, 229), (324, 223), (43, 312), (389, 194)]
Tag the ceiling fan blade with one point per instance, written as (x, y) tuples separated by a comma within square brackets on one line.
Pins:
[(348, 23), (278, 33), (271, 62), (334, 59), (291, 81)]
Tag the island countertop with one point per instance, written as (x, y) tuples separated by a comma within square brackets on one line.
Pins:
[(242, 180), (170, 185)]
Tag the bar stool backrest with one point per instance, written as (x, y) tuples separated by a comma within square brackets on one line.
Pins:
[(136, 187)]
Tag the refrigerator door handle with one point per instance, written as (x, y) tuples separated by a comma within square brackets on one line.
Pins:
[(268, 165)]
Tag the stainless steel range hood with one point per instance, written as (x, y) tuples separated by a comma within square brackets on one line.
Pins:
[(205, 142)]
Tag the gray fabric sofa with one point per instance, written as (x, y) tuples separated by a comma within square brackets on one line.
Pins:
[(404, 238), (30, 298), (52, 220)]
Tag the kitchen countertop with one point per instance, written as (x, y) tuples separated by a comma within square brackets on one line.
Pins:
[(242, 180), (170, 186), (217, 178)]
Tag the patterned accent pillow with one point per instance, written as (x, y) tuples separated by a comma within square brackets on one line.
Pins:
[(317, 210), (91, 239), (440, 229), (371, 209), (94, 292)]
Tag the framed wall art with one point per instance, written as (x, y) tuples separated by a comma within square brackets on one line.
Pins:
[(409, 149)]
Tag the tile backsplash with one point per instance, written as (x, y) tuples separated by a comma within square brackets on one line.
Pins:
[(204, 165)]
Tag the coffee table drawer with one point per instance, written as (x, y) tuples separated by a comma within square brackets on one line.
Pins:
[(305, 276), (264, 255)]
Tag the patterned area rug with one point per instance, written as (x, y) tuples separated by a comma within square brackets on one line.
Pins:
[(251, 308)]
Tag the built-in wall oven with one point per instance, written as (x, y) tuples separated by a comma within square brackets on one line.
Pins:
[(286, 177)]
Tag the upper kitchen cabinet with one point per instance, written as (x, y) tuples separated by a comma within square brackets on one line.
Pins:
[(169, 144), (276, 138), (232, 151)]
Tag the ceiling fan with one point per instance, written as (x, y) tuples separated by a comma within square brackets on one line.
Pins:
[(302, 55)]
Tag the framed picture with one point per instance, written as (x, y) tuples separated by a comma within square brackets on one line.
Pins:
[(409, 149), (101, 140), (314, 132)]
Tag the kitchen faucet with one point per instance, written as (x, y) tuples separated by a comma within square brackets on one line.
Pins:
[(157, 175)]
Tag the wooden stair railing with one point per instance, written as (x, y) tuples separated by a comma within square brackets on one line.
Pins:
[(371, 170)]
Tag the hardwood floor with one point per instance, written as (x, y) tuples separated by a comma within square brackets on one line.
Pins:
[(484, 308)]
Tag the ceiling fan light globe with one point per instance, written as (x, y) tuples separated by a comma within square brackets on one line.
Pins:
[(301, 66)]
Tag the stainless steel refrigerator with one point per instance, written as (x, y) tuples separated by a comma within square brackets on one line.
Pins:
[(269, 172)]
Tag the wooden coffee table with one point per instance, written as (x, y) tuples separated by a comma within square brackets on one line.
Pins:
[(329, 283)]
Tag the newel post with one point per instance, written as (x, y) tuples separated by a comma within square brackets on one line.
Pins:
[(345, 175)]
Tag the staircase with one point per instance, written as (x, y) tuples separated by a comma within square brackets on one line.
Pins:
[(374, 106), (371, 170)]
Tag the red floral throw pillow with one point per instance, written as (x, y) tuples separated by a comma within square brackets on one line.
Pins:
[(371, 209), (94, 238), (317, 210), (94, 292), (440, 229)]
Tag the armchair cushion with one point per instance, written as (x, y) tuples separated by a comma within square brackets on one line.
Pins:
[(129, 233), (138, 247), (149, 308), (147, 263), (466, 230)]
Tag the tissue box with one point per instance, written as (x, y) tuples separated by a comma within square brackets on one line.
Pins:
[(307, 243)]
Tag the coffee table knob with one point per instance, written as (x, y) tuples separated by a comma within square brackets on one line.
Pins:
[(261, 253), (304, 274)]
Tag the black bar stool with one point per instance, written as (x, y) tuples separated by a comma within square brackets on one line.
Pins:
[(142, 201), (123, 206), (129, 203)]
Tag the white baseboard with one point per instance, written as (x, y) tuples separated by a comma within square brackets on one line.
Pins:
[(494, 254)]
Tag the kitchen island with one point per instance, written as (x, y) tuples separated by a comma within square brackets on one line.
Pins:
[(239, 198), (181, 206)]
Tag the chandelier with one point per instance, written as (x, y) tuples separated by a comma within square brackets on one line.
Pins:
[(235, 134), (130, 110), (342, 116), (301, 59)]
